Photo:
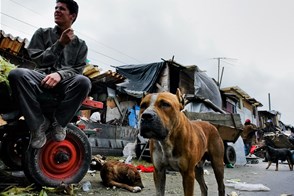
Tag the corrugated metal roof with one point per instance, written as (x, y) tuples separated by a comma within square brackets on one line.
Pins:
[(243, 94), (12, 44)]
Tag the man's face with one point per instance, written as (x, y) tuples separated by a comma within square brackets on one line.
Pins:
[(62, 15)]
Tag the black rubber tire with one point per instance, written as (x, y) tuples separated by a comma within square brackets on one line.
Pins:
[(230, 155), (57, 163), (13, 146)]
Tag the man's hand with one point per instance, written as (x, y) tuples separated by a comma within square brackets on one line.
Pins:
[(51, 80), (67, 36)]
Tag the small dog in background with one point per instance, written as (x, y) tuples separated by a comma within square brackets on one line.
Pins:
[(275, 154), (122, 175)]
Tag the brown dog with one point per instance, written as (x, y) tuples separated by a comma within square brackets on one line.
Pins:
[(176, 143), (122, 175)]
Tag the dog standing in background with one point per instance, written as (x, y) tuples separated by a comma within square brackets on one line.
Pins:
[(274, 155), (178, 144)]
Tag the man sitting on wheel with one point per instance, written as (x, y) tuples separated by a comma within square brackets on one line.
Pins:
[(60, 57)]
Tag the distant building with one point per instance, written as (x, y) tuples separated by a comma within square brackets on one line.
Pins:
[(272, 115), (235, 100)]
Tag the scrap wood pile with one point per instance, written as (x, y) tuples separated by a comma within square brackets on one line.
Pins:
[(96, 75), (111, 77), (91, 71)]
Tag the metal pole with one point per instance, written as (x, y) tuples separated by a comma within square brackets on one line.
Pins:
[(269, 102), (218, 70)]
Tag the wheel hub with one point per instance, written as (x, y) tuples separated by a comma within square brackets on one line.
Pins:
[(62, 157)]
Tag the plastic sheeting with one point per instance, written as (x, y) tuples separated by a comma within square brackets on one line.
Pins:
[(206, 88), (140, 78)]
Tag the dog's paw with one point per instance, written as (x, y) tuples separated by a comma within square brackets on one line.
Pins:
[(136, 189)]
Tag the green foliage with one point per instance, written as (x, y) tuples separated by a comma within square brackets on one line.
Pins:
[(13, 190), (5, 68)]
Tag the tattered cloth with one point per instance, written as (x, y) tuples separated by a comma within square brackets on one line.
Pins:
[(145, 169), (141, 78)]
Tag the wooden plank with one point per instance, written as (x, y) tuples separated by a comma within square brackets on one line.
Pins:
[(92, 104), (216, 118), (228, 125), (227, 133)]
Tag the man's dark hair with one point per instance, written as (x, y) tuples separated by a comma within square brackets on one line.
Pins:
[(72, 6)]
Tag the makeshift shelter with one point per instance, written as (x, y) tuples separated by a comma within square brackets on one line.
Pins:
[(200, 89)]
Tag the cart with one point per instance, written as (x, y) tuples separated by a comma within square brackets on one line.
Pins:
[(229, 127), (56, 163)]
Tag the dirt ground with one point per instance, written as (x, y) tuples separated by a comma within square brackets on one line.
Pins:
[(279, 182), (250, 173), (254, 174)]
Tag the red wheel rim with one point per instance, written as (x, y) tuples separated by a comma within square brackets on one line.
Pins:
[(60, 160)]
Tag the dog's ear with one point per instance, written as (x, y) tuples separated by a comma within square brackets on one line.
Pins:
[(181, 98), (144, 94)]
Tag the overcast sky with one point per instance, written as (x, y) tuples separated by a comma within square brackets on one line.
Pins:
[(256, 37)]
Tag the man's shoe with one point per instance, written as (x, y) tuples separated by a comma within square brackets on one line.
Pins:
[(59, 132), (39, 136)]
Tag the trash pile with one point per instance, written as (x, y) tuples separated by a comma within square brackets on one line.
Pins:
[(243, 186)]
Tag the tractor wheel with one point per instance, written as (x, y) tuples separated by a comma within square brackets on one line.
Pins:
[(13, 146), (230, 155), (57, 163)]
